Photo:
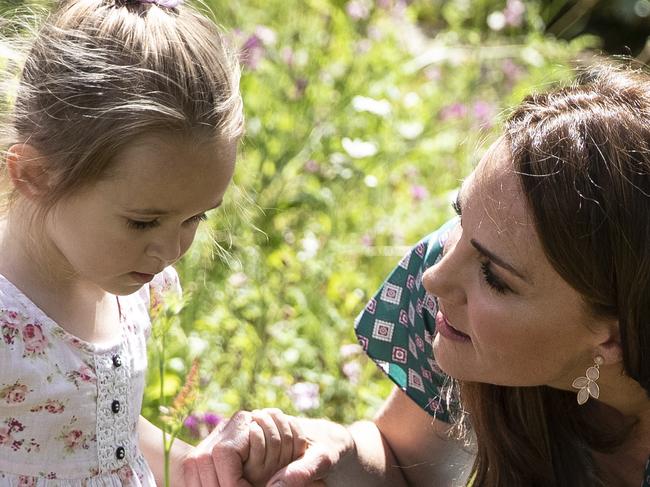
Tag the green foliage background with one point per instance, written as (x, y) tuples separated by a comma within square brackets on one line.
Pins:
[(311, 228)]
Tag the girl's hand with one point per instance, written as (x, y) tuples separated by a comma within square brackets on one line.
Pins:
[(275, 441)]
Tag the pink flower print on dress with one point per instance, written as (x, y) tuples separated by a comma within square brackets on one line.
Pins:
[(51, 406), (73, 439), (81, 375), (15, 393), (9, 333), (24, 481), (35, 341)]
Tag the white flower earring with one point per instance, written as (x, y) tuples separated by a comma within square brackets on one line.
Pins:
[(587, 385)]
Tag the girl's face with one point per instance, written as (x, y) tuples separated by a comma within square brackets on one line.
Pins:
[(119, 232), (506, 316)]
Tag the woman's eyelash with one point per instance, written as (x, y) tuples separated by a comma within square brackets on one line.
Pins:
[(456, 206), (493, 281)]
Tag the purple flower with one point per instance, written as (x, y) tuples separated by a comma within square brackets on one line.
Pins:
[(357, 10), (453, 111), (252, 52), (484, 113), (192, 423), (514, 13), (419, 193), (304, 395), (511, 70), (312, 166), (211, 419)]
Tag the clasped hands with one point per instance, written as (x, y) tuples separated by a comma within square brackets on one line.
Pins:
[(264, 448)]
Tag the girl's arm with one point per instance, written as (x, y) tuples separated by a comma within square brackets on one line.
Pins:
[(151, 446), (403, 446)]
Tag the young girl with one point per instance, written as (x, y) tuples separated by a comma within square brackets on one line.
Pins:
[(121, 138)]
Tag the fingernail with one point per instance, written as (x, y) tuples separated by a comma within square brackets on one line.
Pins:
[(278, 483)]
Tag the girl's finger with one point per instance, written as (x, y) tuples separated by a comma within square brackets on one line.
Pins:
[(286, 438), (257, 444)]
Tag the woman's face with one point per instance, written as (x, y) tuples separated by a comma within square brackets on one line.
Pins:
[(506, 316)]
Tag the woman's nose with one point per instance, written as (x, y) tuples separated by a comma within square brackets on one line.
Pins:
[(444, 279)]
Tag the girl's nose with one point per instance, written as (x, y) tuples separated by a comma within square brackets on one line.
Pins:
[(166, 248)]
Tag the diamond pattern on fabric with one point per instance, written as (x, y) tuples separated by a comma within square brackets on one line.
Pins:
[(397, 327)]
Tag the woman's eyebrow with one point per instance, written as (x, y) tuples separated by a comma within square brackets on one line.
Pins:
[(497, 260)]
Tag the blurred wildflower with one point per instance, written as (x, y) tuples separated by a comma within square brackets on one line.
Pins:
[(287, 55), (352, 371), (358, 9), (367, 240), (453, 111), (254, 48), (367, 104), (305, 396), (419, 193), (358, 148), (484, 113), (238, 279), (496, 21), (350, 350), (514, 13), (310, 246), (312, 166), (201, 425), (410, 130), (371, 181), (511, 70)]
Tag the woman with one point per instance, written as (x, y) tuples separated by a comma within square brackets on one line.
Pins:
[(541, 314)]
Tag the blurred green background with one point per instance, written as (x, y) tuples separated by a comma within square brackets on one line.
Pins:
[(362, 119)]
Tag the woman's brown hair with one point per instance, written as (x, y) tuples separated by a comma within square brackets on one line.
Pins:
[(582, 154)]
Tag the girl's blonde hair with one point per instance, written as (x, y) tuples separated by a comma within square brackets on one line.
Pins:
[(100, 74)]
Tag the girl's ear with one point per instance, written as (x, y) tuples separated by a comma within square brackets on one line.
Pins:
[(26, 169)]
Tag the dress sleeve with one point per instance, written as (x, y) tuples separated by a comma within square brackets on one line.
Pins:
[(397, 327)]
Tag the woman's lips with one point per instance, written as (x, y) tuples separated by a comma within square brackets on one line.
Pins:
[(444, 328)]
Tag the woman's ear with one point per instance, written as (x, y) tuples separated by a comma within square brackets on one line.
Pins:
[(26, 169), (611, 349)]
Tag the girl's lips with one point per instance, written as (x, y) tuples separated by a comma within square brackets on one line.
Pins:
[(143, 278), (444, 328)]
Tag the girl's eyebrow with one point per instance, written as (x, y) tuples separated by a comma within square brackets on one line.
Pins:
[(498, 260), (160, 212)]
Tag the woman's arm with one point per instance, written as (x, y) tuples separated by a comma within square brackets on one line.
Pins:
[(403, 446)]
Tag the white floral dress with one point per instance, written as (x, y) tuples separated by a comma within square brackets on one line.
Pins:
[(69, 408)]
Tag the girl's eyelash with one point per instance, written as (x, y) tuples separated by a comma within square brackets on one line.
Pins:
[(140, 225), (493, 281), (198, 218)]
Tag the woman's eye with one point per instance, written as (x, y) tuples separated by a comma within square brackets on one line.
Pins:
[(456, 205), (142, 225), (492, 280)]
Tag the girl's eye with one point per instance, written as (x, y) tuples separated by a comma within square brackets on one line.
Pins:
[(492, 280), (197, 219), (140, 225)]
